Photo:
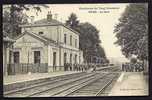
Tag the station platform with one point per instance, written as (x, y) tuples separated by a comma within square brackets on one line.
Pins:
[(130, 84), (33, 76), (10, 79), (21, 80)]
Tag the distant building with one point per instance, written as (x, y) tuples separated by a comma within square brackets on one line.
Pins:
[(49, 42)]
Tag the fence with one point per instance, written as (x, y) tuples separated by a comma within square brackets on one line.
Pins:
[(23, 68)]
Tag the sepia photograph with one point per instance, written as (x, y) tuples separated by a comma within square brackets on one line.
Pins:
[(75, 50)]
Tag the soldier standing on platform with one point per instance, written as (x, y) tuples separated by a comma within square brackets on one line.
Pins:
[(65, 66), (132, 67), (77, 67), (85, 67), (141, 68), (74, 67), (126, 67), (123, 67), (137, 67), (70, 66)]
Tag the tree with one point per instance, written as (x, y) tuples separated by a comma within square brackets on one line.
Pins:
[(72, 21), (13, 16), (89, 36), (14, 28), (89, 41), (101, 52), (132, 31)]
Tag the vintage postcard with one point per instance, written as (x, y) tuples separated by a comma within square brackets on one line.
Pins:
[(71, 50)]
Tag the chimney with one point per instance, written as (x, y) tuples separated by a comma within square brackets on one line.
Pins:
[(49, 16)]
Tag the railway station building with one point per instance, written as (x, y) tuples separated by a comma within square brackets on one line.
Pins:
[(47, 42)]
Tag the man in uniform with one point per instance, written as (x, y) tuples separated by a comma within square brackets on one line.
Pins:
[(74, 65), (136, 67), (127, 67), (123, 67), (141, 67), (70, 66), (65, 65)]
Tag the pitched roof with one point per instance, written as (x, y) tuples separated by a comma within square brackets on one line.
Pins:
[(42, 38), (45, 22), (51, 22), (49, 40), (42, 22)]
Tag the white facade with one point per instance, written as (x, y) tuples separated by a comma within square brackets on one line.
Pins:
[(51, 41), (55, 33)]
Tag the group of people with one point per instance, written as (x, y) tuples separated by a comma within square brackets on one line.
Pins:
[(78, 67), (130, 67)]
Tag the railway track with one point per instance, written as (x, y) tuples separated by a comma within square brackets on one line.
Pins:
[(114, 69), (21, 91), (70, 86), (83, 84), (92, 88)]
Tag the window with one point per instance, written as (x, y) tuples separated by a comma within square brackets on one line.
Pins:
[(75, 42), (71, 40), (65, 38), (37, 57), (65, 55), (40, 33), (70, 58), (16, 57)]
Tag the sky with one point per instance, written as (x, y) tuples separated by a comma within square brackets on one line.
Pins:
[(104, 19)]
